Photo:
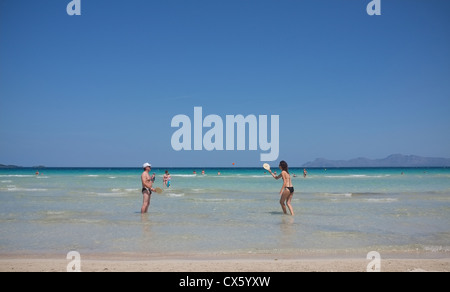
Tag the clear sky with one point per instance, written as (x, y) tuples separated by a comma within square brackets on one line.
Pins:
[(101, 89)]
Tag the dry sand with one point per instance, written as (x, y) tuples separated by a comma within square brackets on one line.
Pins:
[(236, 263)]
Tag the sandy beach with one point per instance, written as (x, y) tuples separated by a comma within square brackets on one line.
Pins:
[(241, 263)]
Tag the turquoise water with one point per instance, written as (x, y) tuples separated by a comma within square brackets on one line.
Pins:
[(98, 210)]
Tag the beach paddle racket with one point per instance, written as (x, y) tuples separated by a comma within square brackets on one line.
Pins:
[(158, 190), (266, 166)]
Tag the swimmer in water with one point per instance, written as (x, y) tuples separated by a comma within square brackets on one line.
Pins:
[(166, 179)]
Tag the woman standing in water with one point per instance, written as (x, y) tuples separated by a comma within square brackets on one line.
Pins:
[(287, 190)]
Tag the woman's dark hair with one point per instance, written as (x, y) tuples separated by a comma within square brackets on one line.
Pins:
[(284, 166)]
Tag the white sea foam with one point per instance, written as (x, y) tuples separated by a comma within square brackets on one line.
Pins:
[(382, 200), (55, 212), (115, 194), (347, 195), (438, 248), (131, 190), (213, 200), (175, 194), (357, 176), (89, 221), (17, 175), (6, 181), (246, 176), (15, 189), (198, 190), (347, 176), (123, 191)]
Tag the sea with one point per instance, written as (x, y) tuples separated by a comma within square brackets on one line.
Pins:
[(337, 210)]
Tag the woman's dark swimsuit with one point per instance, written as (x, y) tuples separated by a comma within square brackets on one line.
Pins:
[(146, 189), (291, 189)]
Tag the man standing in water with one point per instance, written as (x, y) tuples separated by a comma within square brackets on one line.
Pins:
[(146, 187)]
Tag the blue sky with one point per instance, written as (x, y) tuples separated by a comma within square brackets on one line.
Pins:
[(101, 89)]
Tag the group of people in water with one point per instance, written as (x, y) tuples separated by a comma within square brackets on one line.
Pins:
[(286, 191)]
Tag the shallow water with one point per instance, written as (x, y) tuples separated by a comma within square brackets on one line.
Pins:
[(98, 210)]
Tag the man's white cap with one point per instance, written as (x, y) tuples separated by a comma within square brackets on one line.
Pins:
[(146, 164)]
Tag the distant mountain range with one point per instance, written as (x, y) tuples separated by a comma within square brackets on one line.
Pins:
[(8, 166), (15, 166), (395, 160)]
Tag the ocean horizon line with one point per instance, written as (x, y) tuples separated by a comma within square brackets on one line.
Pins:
[(215, 167), (391, 161)]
